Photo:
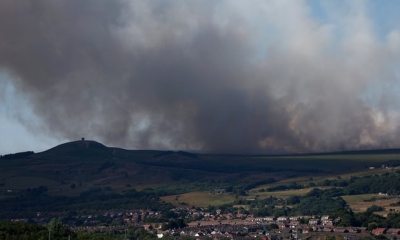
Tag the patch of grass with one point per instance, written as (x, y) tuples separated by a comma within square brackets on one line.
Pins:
[(317, 179), (199, 199), (358, 204), (360, 198), (281, 194)]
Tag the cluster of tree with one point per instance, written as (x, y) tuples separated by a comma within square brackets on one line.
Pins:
[(319, 202), (293, 185), (238, 189), (367, 219), (316, 202), (188, 186), (252, 184), (173, 224), (21, 231), (55, 229), (31, 201), (387, 183)]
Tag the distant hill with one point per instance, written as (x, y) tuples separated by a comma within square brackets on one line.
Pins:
[(355, 152), (73, 167), (17, 155)]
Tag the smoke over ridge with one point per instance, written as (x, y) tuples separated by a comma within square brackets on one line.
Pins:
[(226, 76)]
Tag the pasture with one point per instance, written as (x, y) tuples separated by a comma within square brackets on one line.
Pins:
[(360, 203), (279, 194), (199, 199)]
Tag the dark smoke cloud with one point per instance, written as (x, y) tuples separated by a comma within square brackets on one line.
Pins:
[(199, 75)]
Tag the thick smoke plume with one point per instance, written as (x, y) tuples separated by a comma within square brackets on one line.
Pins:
[(225, 76)]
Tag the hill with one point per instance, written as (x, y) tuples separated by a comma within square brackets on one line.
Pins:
[(74, 167), (81, 177)]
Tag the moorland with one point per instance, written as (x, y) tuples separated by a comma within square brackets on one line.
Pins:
[(87, 178)]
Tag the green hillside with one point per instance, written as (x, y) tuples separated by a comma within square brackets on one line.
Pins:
[(74, 167), (87, 176)]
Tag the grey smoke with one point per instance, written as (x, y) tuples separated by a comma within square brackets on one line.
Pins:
[(223, 76)]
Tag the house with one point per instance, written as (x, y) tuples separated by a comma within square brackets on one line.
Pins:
[(314, 228), (303, 226), (269, 219), (313, 221), (199, 234), (327, 229), (378, 231), (218, 191), (328, 223), (325, 218), (282, 219), (393, 231), (193, 224), (354, 230), (340, 230), (282, 226), (228, 216), (294, 224)]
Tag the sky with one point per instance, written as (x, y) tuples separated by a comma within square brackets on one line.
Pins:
[(227, 76)]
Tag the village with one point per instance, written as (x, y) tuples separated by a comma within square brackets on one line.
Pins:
[(234, 225), (202, 224)]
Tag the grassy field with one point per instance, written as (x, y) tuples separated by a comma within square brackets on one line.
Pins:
[(204, 199), (319, 178), (360, 203), (361, 198), (199, 199), (280, 194)]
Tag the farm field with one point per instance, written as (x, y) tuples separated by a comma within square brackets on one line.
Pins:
[(199, 199), (360, 203), (204, 199), (281, 194)]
